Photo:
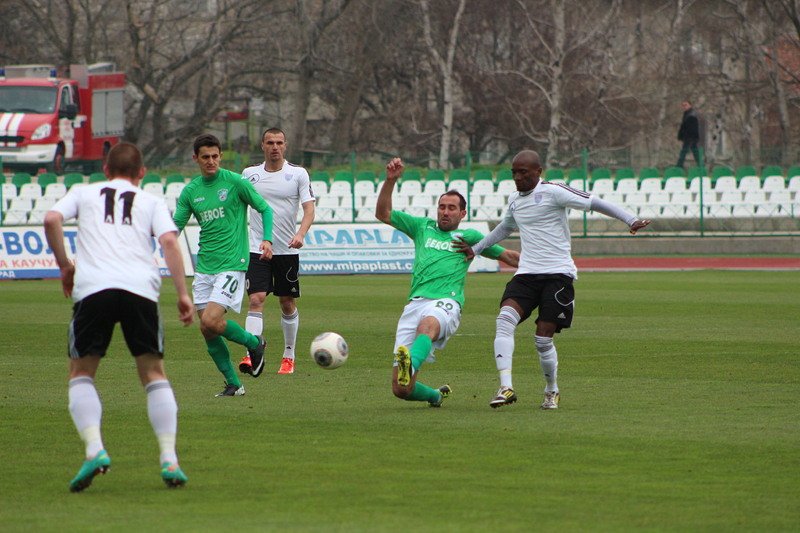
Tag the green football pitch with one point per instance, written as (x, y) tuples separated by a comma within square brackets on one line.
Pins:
[(680, 394)]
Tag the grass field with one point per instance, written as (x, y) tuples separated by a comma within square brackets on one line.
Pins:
[(679, 411)]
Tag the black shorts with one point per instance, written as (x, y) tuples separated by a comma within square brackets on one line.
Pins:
[(279, 275), (94, 317), (553, 294)]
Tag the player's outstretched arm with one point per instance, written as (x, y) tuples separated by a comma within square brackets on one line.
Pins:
[(510, 257), (383, 209), (54, 233), (172, 256)]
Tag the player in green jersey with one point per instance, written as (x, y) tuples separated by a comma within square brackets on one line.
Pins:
[(218, 199), (433, 312)]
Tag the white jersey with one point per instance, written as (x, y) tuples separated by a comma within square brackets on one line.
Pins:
[(116, 225), (541, 218), (284, 190)]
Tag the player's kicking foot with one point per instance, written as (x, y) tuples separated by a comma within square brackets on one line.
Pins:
[(231, 390), (256, 357), (505, 396), (172, 475), (246, 365), (550, 400), (403, 359), (99, 464), (287, 366), (444, 392)]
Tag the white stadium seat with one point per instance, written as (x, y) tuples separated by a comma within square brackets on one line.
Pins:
[(154, 188), (491, 207), (30, 190), (56, 191), (15, 217), (174, 189), (20, 204), (749, 183), (694, 184), (675, 183), (362, 188), (482, 188), (435, 188), (626, 185), (773, 183), (650, 185), (725, 183), (602, 186), (319, 187), (459, 185)]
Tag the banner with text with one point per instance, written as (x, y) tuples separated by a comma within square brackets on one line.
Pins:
[(359, 249), (24, 253)]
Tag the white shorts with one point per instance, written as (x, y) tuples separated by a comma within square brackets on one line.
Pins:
[(446, 311), (225, 289)]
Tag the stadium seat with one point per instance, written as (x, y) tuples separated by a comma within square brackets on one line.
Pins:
[(411, 174), (36, 216), (343, 176), (754, 203), (96, 177), (771, 171), (482, 187), (458, 174), (602, 186), (636, 201), (723, 208), (21, 204), (749, 183), (320, 175), (725, 183), (649, 172), (366, 176), (673, 172), (56, 191), (434, 174), (9, 192), (600, 173), (366, 214), (720, 171), (503, 175), (460, 185), (745, 170), (326, 207), (695, 172), (20, 178), (154, 188), (506, 187), (650, 184), (319, 187), (46, 179), (362, 188), (553, 174), (612, 196), (148, 178), (410, 187), (417, 211), (624, 173), (675, 183), (174, 189), (774, 183), (705, 181), (679, 205), (576, 174), (779, 203), (72, 179), (30, 190), (482, 174), (340, 188), (490, 208), (626, 185)]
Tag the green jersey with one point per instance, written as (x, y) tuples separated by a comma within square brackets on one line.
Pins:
[(439, 269), (220, 206)]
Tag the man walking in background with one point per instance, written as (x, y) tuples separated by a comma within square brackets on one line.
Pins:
[(115, 279), (689, 133), (286, 187)]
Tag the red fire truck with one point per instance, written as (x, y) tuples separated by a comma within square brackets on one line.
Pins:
[(59, 123)]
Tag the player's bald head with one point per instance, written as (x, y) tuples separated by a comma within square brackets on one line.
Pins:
[(528, 158)]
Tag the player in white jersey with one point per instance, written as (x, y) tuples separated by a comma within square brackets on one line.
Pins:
[(286, 187), (115, 279), (546, 270)]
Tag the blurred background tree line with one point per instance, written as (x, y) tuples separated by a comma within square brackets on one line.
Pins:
[(433, 80)]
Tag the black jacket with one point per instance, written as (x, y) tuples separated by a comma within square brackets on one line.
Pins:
[(690, 126)]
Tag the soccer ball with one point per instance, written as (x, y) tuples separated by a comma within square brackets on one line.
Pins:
[(329, 350)]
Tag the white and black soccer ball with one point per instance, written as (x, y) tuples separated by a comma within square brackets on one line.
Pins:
[(329, 350)]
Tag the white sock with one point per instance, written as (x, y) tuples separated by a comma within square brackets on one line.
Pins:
[(290, 324), (86, 411), (254, 323), (162, 409), (548, 359), (507, 321)]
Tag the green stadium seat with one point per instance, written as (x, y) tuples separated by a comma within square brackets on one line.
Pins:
[(20, 178), (150, 178), (72, 178), (320, 175), (601, 173), (720, 171), (745, 170), (482, 174), (674, 172), (343, 175), (412, 174), (771, 170), (649, 172), (793, 171), (695, 172), (174, 178), (434, 174), (505, 174), (46, 179), (366, 175), (624, 173), (554, 174), (458, 174), (575, 174), (94, 177)]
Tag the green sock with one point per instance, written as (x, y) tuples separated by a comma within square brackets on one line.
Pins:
[(236, 333), (218, 351), (423, 393), (420, 350)]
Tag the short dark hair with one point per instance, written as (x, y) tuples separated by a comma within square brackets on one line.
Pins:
[(462, 202), (273, 130), (206, 139), (124, 159)]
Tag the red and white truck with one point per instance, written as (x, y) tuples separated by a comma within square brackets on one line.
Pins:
[(59, 123)]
